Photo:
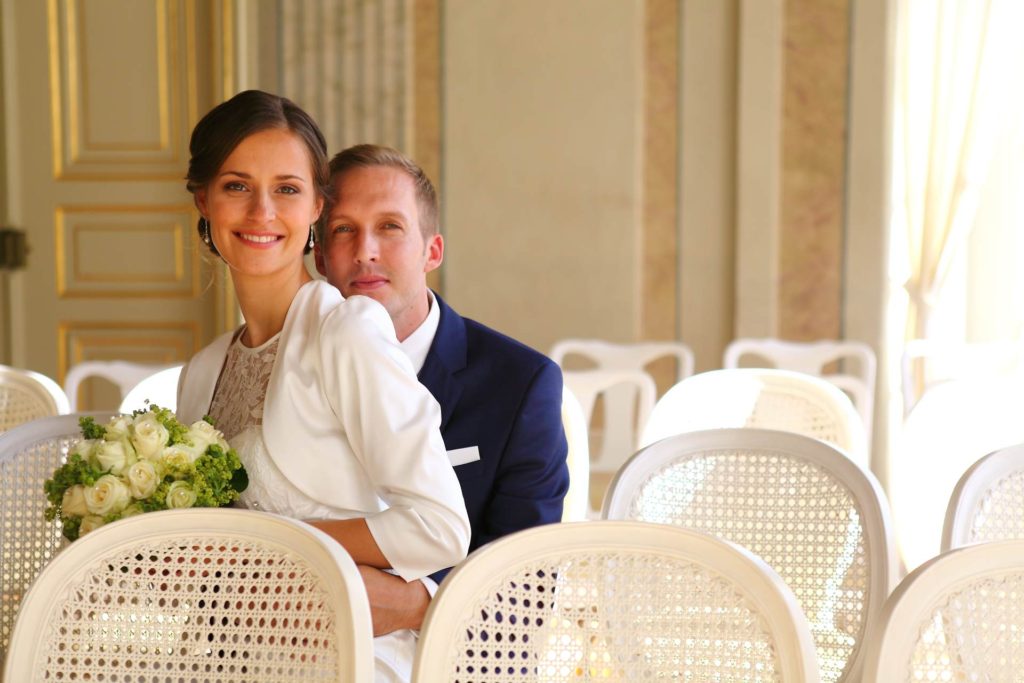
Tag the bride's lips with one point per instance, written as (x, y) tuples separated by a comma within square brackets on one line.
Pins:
[(259, 240)]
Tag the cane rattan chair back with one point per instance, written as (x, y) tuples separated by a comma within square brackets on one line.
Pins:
[(988, 501), (576, 505), (213, 595), (28, 456), (805, 508), (27, 396), (619, 601), (856, 376), (957, 617), (763, 398)]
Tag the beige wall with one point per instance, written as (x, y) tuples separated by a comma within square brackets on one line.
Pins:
[(541, 155)]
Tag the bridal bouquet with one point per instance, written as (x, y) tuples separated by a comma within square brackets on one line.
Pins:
[(139, 463)]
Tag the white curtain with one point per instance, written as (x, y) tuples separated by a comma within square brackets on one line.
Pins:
[(957, 77)]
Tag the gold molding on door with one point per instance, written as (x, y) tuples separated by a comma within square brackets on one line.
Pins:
[(184, 238), (74, 337), (68, 126)]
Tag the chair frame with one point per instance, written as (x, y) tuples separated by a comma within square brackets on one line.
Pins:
[(838, 402), (897, 627), (342, 580), (880, 542), (475, 576), (817, 355), (39, 385), (124, 374), (971, 489), (576, 505)]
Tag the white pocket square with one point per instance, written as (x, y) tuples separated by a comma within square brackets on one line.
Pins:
[(461, 456)]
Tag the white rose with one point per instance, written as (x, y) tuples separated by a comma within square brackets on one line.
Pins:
[(114, 456), (73, 502), (117, 428), (202, 435), (107, 495), (132, 510), (143, 479), (149, 436), (180, 495), (89, 523), (84, 448), (179, 456)]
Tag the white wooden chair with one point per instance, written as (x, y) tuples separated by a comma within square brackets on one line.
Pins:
[(159, 388), (124, 374), (955, 424), (856, 377), (765, 398), (28, 456), (628, 392), (26, 395), (988, 501), (576, 505), (198, 594), (618, 601), (809, 511), (927, 363), (957, 617)]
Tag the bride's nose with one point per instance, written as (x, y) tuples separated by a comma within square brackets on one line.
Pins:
[(261, 208)]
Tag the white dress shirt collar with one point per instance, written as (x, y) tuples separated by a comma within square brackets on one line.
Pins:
[(417, 345)]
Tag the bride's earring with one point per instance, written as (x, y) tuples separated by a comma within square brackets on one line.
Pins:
[(206, 231), (311, 237)]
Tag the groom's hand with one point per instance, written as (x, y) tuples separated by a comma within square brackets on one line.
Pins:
[(394, 604)]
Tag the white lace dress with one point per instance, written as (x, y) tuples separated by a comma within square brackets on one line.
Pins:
[(237, 410)]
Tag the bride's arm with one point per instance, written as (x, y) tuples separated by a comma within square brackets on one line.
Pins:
[(392, 424)]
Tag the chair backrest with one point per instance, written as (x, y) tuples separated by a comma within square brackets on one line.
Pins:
[(26, 395), (856, 377), (754, 397), (628, 397), (576, 505), (28, 541), (957, 617), (926, 363), (955, 424), (988, 501), (124, 374), (205, 594), (620, 601), (160, 388), (626, 401), (804, 507)]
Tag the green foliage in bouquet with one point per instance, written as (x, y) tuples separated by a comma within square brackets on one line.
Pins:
[(139, 463)]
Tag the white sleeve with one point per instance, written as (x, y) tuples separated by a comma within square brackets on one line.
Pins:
[(393, 426)]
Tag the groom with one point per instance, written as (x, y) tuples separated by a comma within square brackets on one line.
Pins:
[(500, 400)]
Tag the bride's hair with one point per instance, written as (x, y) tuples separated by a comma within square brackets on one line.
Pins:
[(252, 111)]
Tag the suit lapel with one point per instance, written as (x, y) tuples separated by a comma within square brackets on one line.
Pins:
[(447, 356)]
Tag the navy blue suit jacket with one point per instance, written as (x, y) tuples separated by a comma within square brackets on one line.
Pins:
[(506, 399)]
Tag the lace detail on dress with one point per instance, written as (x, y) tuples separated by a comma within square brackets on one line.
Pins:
[(242, 387)]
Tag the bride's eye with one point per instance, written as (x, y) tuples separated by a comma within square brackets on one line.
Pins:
[(234, 186)]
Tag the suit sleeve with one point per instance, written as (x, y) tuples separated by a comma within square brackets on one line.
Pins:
[(533, 477)]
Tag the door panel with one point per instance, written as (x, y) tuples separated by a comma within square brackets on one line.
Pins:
[(101, 105)]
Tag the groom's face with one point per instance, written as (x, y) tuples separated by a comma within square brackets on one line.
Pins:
[(374, 246)]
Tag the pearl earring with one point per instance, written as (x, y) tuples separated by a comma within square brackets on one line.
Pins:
[(311, 237), (205, 229)]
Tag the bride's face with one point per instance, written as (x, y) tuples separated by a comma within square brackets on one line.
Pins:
[(261, 203)]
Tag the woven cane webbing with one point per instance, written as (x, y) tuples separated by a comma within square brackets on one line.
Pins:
[(1000, 513), (793, 411), (796, 516), (202, 609), (27, 540), (19, 405), (976, 634), (616, 616)]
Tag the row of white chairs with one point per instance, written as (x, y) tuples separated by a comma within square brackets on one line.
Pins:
[(812, 514), (26, 395)]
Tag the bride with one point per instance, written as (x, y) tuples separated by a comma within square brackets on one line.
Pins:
[(313, 391)]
